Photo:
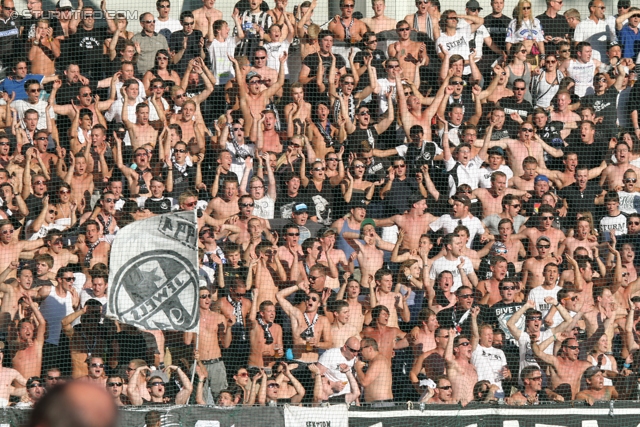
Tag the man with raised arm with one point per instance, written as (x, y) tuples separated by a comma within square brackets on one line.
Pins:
[(460, 370)]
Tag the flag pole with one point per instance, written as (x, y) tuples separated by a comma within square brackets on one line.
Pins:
[(195, 362)]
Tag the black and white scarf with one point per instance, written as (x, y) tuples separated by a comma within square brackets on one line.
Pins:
[(310, 331), (326, 135), (351, 107), (89, 255), (268, 338), (237, 309)]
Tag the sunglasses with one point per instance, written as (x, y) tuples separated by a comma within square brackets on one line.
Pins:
[(352, 350), (526, 8), (86, 95), (630, 180), (259, 57), (360, 166), (243, 374), (399, 166), (53, 211), (547, 218), (551, 62), (456, 83), (114, 384), (236, 129), (50, 378), (187, 24), (573, 298), (393, 66), (245, 205), (349, 83), (535, 379), (466, 296), (573, 347), (314, 278), (464, 344), (447, 387), (181, 95), (158, 87), (109, 200), (633, 223), (332, 159), (564, 51), (7, 231), (69, 279), (207, 296), (182, 150), (363, 113), (34, 90), (157, 383), (4, 143), (39, 183), (372, 41), (516, 206), (97, 365), (34, 385), (150, 21), (318, 169), (191, 204), (293, 234), (534, 318), (519, 89), (508, 288), (403, 29), (273, 385)]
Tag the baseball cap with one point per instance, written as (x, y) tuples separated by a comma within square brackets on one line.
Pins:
[(32, 380), (473, 4), (541, 238), (462, 199), (158, 374), (496, 151), (540, 178), (591, 371), (358, 203), (250, 75), (64, 4), (367, 221), (326, 231), (299, 208)]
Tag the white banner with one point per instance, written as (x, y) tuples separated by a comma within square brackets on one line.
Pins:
[(153, 273), (334, 416)]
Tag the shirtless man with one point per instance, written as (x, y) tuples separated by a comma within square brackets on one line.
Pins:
[(79, 178), (236, 307), (408, 52), (422, 337), (567, 177), (410, 108), (431, 361), (565, 368), (379, 22), (377, 381), (337, 256), (253, 100), (562, 112), (415, 222), (544, 229), (265, 335), (291, 248), (84, 99), (351, 288), (140, 132), (53, 246), (92, 249), (526, 181), (270, 138), (460, 370), (214, 329), (310, 330), (192, 129), (612, 177), (206, 14), (269, 75), (225, 204), (390, 337), (242, 237), (491, 198), (533, 267), (139, 179), (27, 349), (345, 26), (13, 289), (11, 248), (12, 383), (596, 390), (393, 301), (492, 286), (297, 112), (370, 249), (96, 373), (527, 144), (581, 238), (341, 329)]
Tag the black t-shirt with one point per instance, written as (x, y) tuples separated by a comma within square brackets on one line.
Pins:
[(551, 135), (497, 28), (590, 155), (313, 63), (416, 156), (605, 105), (285, 204), (450, 318), (377, 62), (85, 47), (499, 314), (377, 170), (510, 105), (9, 33), (397, 199), (34, 204), (554, 27), (466, 100), (370, 135), (158, 206), (581, 201), (323, 201), (182, 181), (193, 48)]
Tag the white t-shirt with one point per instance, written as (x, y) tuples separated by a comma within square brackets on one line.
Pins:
[(237, 165), (489, 362), (528, 31), (87, 294), (449, 224), (443, 264), (596, 34), (265, 207), (274, 52), (172, 25), (386, 86), (626, 202), (539, 294), (526, 354), (485, 175), (22, 105), (617, 223), (332, 359), (221, 66), (457, 44)]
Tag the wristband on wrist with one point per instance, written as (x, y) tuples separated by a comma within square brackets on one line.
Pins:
[(626, 365)]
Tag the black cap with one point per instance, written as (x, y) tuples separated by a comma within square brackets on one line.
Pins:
[(358, 203)]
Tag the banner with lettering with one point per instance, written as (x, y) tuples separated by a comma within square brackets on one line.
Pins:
[(153, 273), (323, 416)]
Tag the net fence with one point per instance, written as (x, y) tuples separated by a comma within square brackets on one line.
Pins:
[(412, 212)]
